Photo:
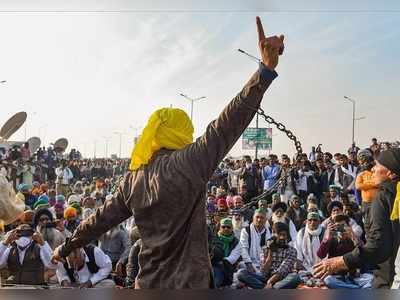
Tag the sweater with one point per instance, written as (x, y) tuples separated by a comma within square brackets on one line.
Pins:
[(365, 184)]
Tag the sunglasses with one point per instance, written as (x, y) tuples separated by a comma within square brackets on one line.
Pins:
[(25, 232), (44, 219), (226, 227)]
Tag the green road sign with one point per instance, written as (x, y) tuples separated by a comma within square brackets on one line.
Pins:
[(261, 136)]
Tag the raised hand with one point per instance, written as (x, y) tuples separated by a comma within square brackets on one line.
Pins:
[(11, 237), (270, 48), (38, 238)]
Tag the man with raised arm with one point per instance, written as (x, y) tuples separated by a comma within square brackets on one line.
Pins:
[(165, 188)]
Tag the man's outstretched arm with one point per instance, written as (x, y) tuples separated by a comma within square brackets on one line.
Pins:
[(113, 212), (221, 134)]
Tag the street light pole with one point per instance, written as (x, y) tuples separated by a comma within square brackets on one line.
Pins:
[(120, 142), (94, 150), (106, 138), (257, 136), (192, 100), (354, 116)]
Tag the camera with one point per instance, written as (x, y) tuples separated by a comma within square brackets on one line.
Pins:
[(338, 231), (272, 243)]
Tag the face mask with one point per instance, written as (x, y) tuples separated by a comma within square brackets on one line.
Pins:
[(23, 242), (248, 166)]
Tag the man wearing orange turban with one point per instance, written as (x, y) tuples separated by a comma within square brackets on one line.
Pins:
[(165, 189)]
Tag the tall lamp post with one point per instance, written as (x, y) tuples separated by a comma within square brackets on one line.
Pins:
[(107, 139), (192, 101), (136, 134), (354, 115), (94, 149), (120, 141), (353, 102)]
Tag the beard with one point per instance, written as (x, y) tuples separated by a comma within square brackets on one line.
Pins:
[(237, 224), (49, 235), (276, 219)]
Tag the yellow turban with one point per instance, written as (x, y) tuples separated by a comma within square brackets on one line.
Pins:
[(70, 212), (168, 128), (396, 206)]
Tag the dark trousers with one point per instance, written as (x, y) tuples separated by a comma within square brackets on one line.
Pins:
[(259, 280)]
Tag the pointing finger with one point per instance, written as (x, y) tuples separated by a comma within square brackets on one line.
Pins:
[(260, 30)]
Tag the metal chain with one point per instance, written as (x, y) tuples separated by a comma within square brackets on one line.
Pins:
[(277, 185), (282, 128)]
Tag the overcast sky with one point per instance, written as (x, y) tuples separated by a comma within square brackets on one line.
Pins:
[(86, 72)]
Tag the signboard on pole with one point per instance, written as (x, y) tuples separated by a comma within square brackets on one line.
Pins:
[(261, 136)]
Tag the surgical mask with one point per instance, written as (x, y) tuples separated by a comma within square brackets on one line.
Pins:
[(23, 242), (248, 165)]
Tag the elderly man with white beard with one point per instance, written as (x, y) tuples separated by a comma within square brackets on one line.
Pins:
[(308, 241), (279, 215), (238, 223), (252, 239), (43, 221)]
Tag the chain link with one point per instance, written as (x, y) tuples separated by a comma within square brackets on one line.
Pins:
[(282, 127), (282, 179)]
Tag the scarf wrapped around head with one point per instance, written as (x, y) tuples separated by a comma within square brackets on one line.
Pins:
[(70, 213), (42, 201), (60, 199), (77, 207), (168, 128)]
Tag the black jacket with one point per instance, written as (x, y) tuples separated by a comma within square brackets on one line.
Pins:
[(294, 175), (380, 250), (298, 221), (251, 178)]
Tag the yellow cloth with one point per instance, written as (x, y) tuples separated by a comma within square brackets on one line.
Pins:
[(168, 128), (396, 205)]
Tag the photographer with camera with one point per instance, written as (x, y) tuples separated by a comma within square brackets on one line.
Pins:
[(336, 208), (26, 255), (277, 263), (339, 240)]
